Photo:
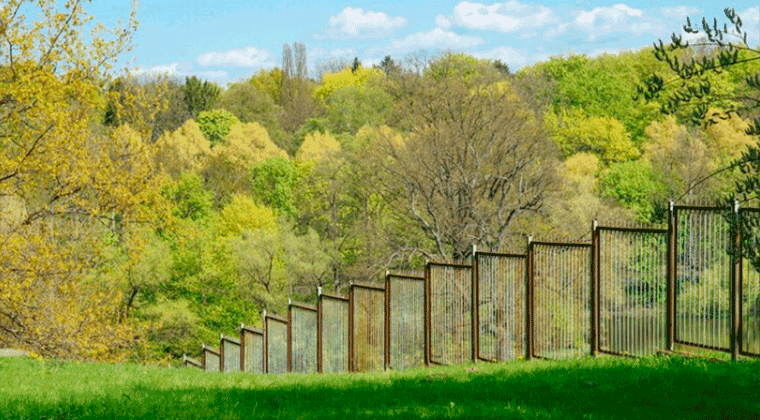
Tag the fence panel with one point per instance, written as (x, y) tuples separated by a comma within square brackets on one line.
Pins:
[(276, 344), (703, 278), (450, 313), (632, 285), (562, 303), (210, 359), (334, 333), (230, 352), (406, 306), (368, 339), (500, 280), (191, 363), (252, 343), (750, 283), (303, 335)]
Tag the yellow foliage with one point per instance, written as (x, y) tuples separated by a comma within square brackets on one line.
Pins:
[(184, 150), (317, 146), (247, 145), (581, 166), (344, 78), (243, 214), (606, 137)]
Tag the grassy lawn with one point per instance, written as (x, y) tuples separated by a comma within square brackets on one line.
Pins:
[(614, 388)]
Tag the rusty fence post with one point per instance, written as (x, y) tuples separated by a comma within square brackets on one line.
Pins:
[(290, 336), (320, 326), (351, 303), (736, 273), (475, 318), (428, 315), (387, 338), (595, 284), (530, 298), (671, 283)]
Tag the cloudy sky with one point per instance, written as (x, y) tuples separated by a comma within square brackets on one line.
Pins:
[(228, 40)]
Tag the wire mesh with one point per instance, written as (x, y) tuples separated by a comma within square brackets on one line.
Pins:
[(632, 298), (253, 351), (501, 306), (277, 345), (750, 283), (562, 278), (230, 350), (210, 360), (304, 339), (703, 280), (450, 313), (407, 322), (191, 363), (369, 329), (334, 334)]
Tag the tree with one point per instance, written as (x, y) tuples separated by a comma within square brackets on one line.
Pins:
[(575, 132), (184, 150), (476, 161), (295, 93), (345, 78), (215, 124), (77, 186), (200, 96), (318, 146), (388, 66)]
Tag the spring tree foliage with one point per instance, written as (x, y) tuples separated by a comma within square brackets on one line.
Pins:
[(184, 150), (216, 123), (343, 79), (491, 163), (74, 187), (576, 132), (317, 146)]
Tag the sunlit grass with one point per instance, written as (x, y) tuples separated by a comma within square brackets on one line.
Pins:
[(661, 387)]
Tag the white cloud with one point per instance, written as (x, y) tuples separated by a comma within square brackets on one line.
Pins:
[(356, 23), (508, 17), (245, 57), (442, 22), (514, 58), (437, 38), (607, 24), (679, 12), (616, 14)]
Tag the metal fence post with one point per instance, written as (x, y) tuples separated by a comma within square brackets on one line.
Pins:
[(595, 272), (428, 315), (671, 284), (387, 338), (320, 326), (265, 342), (475, 306), (529, 336), (351, 367), (736, 273), (290, 336)]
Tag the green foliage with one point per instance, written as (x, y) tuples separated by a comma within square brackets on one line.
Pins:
[(351, 107), (634, 185), (216, 124), (576, 132), (200, 96), (274, 184), (250, 104), (190, 199), (269, 82), (345, 78), (460, 65)]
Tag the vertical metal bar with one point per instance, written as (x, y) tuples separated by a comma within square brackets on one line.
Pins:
[(475, 306), (203, 356), (530, 296), (735, 283), (320, 326), (351, 328), (387, 331), (594, 287), (221, 353), (265, 343), (671, 283), (242, 348), (427, 314), (289, 335), (740, 288)]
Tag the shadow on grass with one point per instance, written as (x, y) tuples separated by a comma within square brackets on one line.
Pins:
[(617, 389)]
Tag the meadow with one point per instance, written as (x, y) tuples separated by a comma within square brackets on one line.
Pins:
[(667, 387)]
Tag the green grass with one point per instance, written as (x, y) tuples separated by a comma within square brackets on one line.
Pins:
[(614, 388)]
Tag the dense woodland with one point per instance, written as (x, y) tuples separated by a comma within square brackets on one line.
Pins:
[(140, 214)]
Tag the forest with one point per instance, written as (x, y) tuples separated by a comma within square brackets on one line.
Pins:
[(141, 214)]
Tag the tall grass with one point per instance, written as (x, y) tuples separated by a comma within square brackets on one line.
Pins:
[(662, 387)]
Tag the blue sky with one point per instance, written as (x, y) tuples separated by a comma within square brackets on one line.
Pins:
[(225, 41)]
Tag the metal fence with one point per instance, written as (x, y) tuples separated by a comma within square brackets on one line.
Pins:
[(367, 328), (276, 344), (630, 292), (252, 350), (333, 336), (302, 338), (405, 309)]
